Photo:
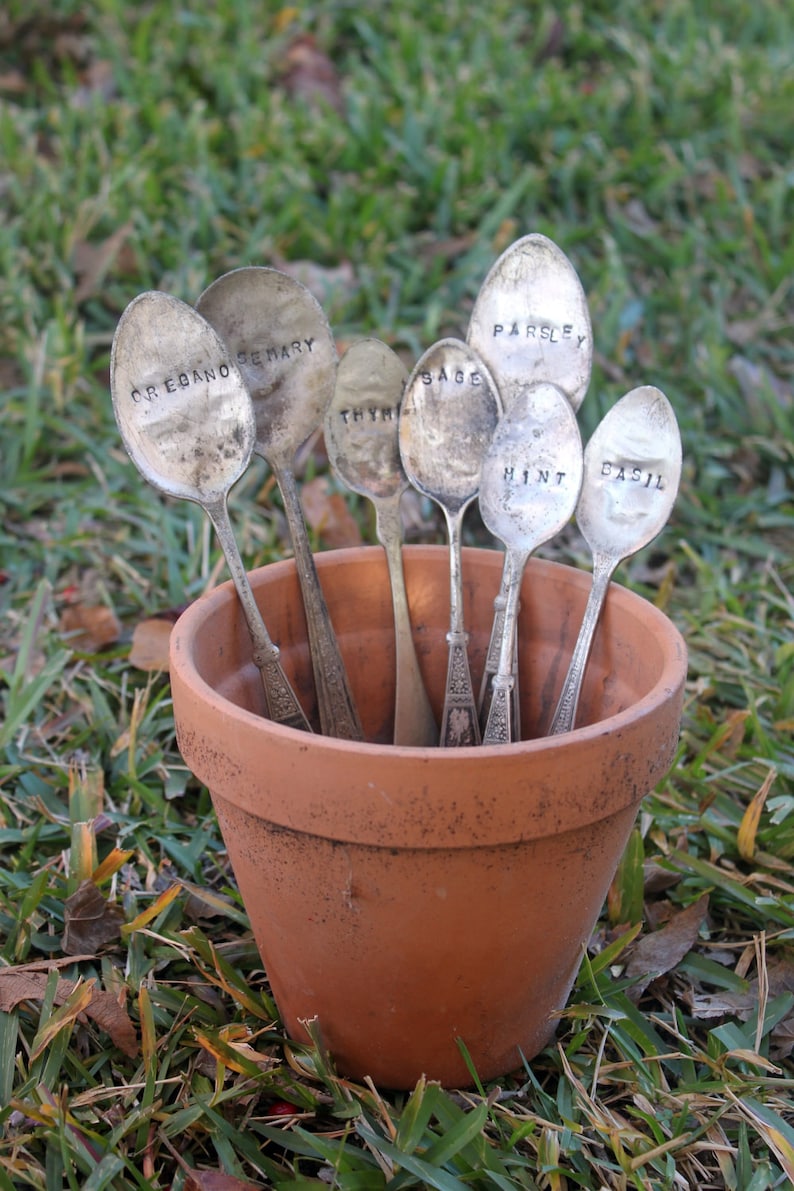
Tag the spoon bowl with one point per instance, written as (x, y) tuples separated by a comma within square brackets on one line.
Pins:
[(279, 336), (531, 479), (187, 423), (449, 413), (362, 440), (632, 469)]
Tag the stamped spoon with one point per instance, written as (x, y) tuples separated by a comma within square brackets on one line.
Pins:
[(531, 479), (187, 423), (530, 323), (448, 415), (632, 469), (362, 439), (278, 334)]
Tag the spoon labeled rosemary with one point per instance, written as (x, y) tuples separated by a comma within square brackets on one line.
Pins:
[(448, 415), (278, 334), (531, 478), (186, 421), (362, 439), (632, 469)]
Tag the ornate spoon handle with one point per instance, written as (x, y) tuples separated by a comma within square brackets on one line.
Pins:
[(459, 723), (282, 703), (338, 715), (565, 714)]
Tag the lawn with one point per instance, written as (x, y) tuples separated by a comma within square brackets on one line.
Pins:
[(386, 155)]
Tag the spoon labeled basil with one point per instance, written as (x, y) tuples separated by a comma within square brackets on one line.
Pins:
[(530, 323), (186, 420), (531, 478), (632, 469), (362, 439), (278, 334), (448, 415)]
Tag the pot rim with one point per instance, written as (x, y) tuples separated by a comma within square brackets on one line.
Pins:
[(188, 626), (387, 795)]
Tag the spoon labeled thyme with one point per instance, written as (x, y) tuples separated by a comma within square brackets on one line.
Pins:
[(186, 421), (530, 323), (278, 334), (632, 469), (531, 478), (448, 415), (362, 439)]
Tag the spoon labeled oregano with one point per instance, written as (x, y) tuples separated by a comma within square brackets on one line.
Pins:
[(632, 469), (186, 420)]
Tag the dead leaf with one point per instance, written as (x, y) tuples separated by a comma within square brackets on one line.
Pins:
[(90, 627), (21, 984), (150, 641), (748, 828), (90, 921), (92, 262), (329, 284), (217, 1180), (311, 75), (656, 953), (326, 512)]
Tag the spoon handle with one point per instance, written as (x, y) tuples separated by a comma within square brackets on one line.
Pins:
[(564, 716), (338, 715), (499, 725), (459, 723), (282, 703), (414, 722), (492, 663)]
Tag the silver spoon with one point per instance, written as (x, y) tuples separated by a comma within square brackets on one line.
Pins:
[(531, 478), (530, 323), (278, 334), (187, 423), (632, 469), (362, 439), (449, 412)]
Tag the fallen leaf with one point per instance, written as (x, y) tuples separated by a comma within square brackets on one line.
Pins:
[(311, 75), (326, 512), (90, 921), (92, 262), (22, 984), (748, 828), (150, 641), (654, 954), (327, 283), (217, 1180), (90, 627)]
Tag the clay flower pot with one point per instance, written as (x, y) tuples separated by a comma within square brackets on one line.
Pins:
[(410, 897)]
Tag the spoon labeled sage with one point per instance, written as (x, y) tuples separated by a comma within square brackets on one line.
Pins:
[(278, 334), (632, 469), (448, 415), (531, 478), (186, 421), (362, 439)]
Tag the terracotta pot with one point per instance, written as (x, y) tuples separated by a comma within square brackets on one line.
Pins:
[(410, 897)]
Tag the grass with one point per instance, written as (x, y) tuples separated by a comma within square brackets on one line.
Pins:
[(152, 147)]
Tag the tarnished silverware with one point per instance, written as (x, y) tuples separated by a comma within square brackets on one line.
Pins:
[(187, 422), (448, 415), (279, 336), (531, 477), (530, 323), (362, 439), (632, 469)]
